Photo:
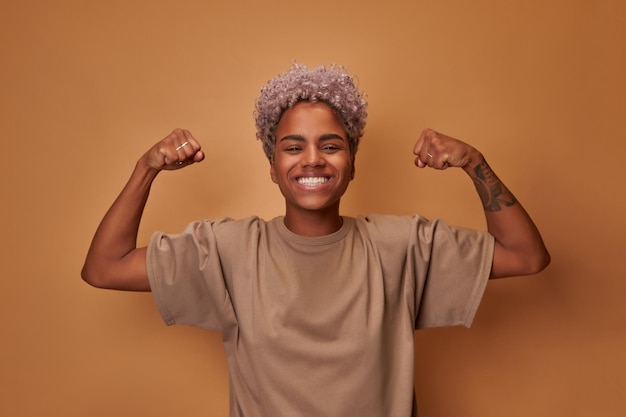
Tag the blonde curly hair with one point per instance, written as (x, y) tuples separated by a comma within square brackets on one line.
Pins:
[(332, 85)]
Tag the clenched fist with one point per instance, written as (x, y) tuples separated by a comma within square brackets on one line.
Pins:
[(439, 151), (176, 150)]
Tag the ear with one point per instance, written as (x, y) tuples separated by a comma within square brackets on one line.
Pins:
[(273, 173)]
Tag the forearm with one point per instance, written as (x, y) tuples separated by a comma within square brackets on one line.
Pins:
[(112, 260), (519, 248)]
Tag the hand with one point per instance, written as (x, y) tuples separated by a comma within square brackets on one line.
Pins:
[(439, 151), (177, 150)]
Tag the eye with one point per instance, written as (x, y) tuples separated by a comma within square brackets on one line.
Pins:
[(330, 147), (292, 148)]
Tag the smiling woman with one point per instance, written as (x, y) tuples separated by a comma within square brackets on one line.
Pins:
[(312, 166), (317, 309)]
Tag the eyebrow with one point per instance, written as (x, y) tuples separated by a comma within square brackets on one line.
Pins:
[(325, 136)]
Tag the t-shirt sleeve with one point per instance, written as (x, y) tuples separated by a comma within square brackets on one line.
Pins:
[(452, 267), (186, 278)]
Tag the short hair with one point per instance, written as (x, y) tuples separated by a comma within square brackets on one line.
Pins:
[(332, 85)]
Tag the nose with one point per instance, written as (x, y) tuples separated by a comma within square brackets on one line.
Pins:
[(312, 157)]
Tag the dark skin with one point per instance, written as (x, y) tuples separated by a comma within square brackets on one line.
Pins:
[(114, 261), (519, 248), (313, 167)]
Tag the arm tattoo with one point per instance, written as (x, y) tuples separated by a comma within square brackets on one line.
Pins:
[(493, 194)]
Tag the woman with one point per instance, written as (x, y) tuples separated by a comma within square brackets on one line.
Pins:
[(317, 310)]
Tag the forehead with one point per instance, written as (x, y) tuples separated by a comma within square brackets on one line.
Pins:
[(307, 116)]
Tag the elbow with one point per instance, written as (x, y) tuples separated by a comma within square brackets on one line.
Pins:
[(538, 262), (88, 276), (519, 263), (91, 277), (115, 276)]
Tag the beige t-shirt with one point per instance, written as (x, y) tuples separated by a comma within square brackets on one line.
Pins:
[(320, 326)]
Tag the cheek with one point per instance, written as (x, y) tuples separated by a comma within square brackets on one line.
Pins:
[(278, 170), (348, 167)]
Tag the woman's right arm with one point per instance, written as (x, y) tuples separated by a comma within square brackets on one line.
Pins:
[(114, 261)]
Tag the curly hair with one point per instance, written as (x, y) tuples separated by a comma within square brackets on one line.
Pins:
[(332, 85)]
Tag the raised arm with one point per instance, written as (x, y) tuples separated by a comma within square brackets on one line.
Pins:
[(113, 260), (519, 248)]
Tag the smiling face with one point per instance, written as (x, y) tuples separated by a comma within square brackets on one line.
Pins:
[(312, 162)]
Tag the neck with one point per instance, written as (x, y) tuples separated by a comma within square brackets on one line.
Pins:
[(313, 223)]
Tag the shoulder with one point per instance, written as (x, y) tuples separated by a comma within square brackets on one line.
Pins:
[(227, 223), (383, 220), (386, 230), (215, 228), (409, 228), (390, 224), (227, 228)]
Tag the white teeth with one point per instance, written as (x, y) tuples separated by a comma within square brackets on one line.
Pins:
[(312, 181)]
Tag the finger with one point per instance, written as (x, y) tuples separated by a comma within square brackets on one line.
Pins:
[(422, 142), (427, 157), (194, 150), (187, 147), (198, 156), (420, 152), (423, 160), (423, 149), (172, 159), (440, 163), (195, 158), (182, 145), (170, 146)]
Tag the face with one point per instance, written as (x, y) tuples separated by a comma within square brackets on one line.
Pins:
[(312, 163)]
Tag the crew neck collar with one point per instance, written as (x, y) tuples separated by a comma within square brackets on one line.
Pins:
[(348, 223)]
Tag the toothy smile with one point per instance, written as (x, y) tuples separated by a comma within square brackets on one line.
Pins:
[(312, 181)]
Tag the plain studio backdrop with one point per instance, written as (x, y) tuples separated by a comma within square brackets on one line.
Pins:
[(86, 87)]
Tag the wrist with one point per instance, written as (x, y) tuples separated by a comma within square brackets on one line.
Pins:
[(144, 172), (475, 158)]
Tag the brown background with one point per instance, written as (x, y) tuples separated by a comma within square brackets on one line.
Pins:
[(86, 87)]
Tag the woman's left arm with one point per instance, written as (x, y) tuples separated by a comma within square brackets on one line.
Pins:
[(519, 248)]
